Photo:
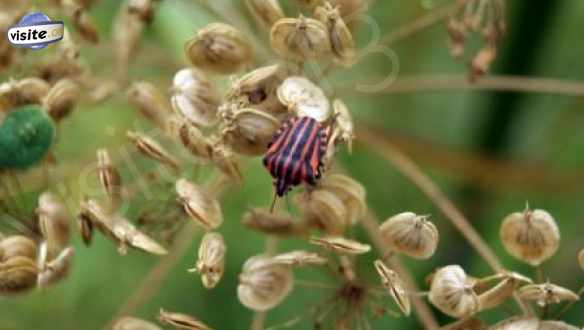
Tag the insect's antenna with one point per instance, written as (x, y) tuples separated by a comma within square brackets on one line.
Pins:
[(274, 202)]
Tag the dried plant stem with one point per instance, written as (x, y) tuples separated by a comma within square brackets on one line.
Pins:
[(259, 318), (411, 171), (423, 312)]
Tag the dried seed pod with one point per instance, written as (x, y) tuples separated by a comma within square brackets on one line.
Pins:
[(351, 193), (258, 89), (193, 140), (340, 37), (81, 21), (17, 274), (547, 293), (127, 29), (18, 246), (325, 209), (410, 234), (250, 131), (142, 8), (265, 12), (211, 262), (53, 223), (556, 325), (581, 259), (109, 177), (227, 163), (267, 222), (85, 227), (304, 98), (340, 245), (194, 97), (150, 102), (452, 292), (132, 323), (343, 125), (299, 38), (503, 290), (263, 284), (199, 205), (54, 270), (300, 258), (25, 91), (181, 321), (517, 323), (61, 99), (219, 48), (152, 149), (395, 286), (531, 236)]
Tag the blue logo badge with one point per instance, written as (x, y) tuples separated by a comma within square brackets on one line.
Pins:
[(35, 31)]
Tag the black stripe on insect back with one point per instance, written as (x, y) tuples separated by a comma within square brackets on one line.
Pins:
[(272, 155), (295, 159), (312, 143), (286, 149)]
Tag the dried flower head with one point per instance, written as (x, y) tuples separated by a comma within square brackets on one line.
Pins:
[(531, 236), (132, 323), (300, 258), (249, 131), (194, 97), (265, 12), (340, 245), (152, 149), (304, 98), (411, 234), (211, 262), (300, 38), (340, 37), (199, 205), (263, 283), (547, 293), (395, 286), (452, 292), (219, 48), (53, 223), (150, 102), (181, 321)]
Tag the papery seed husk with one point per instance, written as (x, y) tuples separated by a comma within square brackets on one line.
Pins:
[(142, 8), (150, 102), (340, 37), (265, 12), (85, 227), (219, 48), (272, 223), (304, 98), (496, 295), (17, 274), (18, 246), (31, 90), (62, 98), (181, 321), (258, 89), (227, 162), (341, 245), (517, 323), (132, 323), (211, 262), (127, 29), (109, 177), (54, 270), (547, 293), (251, 131), (531, 236), (451, 292), (410, 234), (395, 286), (193, 140), (203, 208), (351, 193), (53, 223), (343, 125), (325, 209), (194, 97), (556, 325), (300, 258), (152, 149), (263, 284), (300, 38)]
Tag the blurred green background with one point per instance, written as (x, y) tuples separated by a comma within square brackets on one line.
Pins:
[(448, 133)]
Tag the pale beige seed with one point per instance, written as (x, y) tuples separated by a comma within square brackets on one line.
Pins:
[(300, 38), (351, 193), (265, 12), (150, 102), (496, 295), (452, 292), (343, 128), (250, 131), (304, 98), (53, 222), (81, 20), (340, 37), (203, 208), (24, 91), (132, 323), (556, 325), (127, 30), (181, 321), (54, 270), (395, 286), (152, 149), (325, 210), (18, 246), (219, 48), (531, 236), (17, 275), (264, 284), (517, 323), (340, 245), (258, 89), (193, 140), (581, 259), (547, 293), (410, 234), (227, 162), (211, 262), (85, 227), (272, 223), (300, 258), (61, 99), (194, 97), (109, 177)]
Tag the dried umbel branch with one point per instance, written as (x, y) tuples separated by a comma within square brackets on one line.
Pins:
[(394, 285), (531, 236), (132, 323), (340, 245), (194, 97), (547, 293), (263, 283), (211, 262), (181, 321), (300, 38), (411, 234)]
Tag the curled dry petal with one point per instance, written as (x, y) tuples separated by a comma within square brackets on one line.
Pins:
[(199, 204), (300, 38), (547, 293), (211, 262), (395, 286), (181, 321), (263, 284), (219, 48), (132, 323), (304, 98), (300, 258), (152, 149), (410, 234), (340, 245), (194, 97), (53, 223), (265, 12), (452, 293), (531, 236)]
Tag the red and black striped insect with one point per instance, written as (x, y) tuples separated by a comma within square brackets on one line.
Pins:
[(295, 153)]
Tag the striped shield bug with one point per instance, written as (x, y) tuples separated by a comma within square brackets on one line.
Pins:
[(295, 154)]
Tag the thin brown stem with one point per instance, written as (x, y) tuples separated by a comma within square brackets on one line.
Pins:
[(411, 171)]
